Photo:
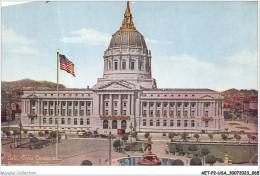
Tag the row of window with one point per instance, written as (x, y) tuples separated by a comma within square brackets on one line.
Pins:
[(63, 121), (165, 113), (115, 104), (115, 112), (51, 103), (193, 104), (158, 123), (123, 65), (158, 95), (67, 95), (53, 112), (114, 124)]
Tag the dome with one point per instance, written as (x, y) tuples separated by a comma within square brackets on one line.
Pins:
[(127, 35)]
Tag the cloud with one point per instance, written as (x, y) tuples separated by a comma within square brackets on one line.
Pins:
[(88, 36), (153, 41), (17, 43), (243, 58)]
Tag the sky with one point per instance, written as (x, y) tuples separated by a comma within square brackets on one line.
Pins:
[(194, 44)]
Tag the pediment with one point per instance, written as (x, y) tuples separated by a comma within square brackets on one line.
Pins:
[(117, 85), (32, 96), (206, 97)]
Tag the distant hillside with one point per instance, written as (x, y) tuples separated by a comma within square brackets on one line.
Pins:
[(27, 84)]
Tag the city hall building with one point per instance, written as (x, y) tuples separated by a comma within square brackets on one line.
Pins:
[(127, 95)]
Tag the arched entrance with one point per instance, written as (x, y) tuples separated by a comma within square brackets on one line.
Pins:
[(105, 124), (123, 124), (114, 124)]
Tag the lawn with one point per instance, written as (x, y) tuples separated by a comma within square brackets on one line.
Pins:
[(234, 124), (239, 153), (6, 141)]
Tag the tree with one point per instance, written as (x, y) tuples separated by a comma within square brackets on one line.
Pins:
[(46, 132), (117, 144), (34, 139), (205, 151), (134, 134), (184, 136), (147, 134), (177, 162), (125, 137), (195, 161), (224, 137), (210, 136), (86, 163), (253, 138), (237, 137), (15, 132), (25, 131), (211, 160), (40, 133), (53, 135), (197, 136), (249, 137), (170, 136), (192, 148)]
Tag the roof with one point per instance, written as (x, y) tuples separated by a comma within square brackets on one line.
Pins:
[(180, 89)]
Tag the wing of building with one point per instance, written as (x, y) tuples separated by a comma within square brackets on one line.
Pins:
[(126, 95)]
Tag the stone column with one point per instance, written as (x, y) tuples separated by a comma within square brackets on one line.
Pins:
[(38, 107), (162, 108), (29, 107), (148, 109), (120, 104), (132, 104), (169, 109), (101, 104), (154, 108), (129, 104), (110, 104), (60, 107)]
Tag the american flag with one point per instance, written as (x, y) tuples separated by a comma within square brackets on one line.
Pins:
[(66, 64)]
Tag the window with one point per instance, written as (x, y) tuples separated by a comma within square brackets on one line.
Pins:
[(88, 112), (145, 104), (151, 113), (70, 103), (158, 104), (192, 113), (123, 124), (124, 112), (33, 111), (158, 123), (206, 113), (89, 104), (52, 112), (76, 112), (109, 65), (165, 104), (45, 103), (185, 123), (105, 124), (132, 65), (171, 123), (145, 112), (44, 120), (124, 65), (56, 121), (186, 104), (82, 103), (115, 65), (114, 124), (193, 104), (124, 104), (69, 121), (88, 121), (172, 113), (76, 104), (206, 104), (51, 103), (62, 121), (164, 122), (151, 104), (140, 65), (32, 120), (192, 123), (206, 123), (106, 103), (151, 122), (50, 120), (178, 123), (81, 121), (44, 111), (178, 113), (165, 112), (158, 113), (63, 112), (179, 104), (81, 112), (185, 113), (144, 122), (171, 104), (75, 122), (115, 104), (70, 112), (115, 112)]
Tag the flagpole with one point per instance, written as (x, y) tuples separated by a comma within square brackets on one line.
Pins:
[(57, 107)]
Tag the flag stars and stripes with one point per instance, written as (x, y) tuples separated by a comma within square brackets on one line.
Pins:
[(66, 64)]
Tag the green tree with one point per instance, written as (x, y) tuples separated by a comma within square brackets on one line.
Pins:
[(211, 160), (34, 139), (15, 132), (170, 136), (40, 133), (177, 162), (25, 131), (249, 137), (134, 134), (224, 137), (125, 137), (86, 163), (195, 161), (46, 132), (147, 134), (184, 136), (253, 138), (117, 144), (205, 151), (197, 136), (210, 136)]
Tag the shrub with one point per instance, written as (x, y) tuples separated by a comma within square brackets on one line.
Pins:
[(179, 147), (249, 137), (117, 144), (192, 148), (25, 131), (34, 139), (205, 151), (211, 160), (86, 163), (184, 136), (237, 137), (224, 137), (147, 134), (134, 134), (253, 138), (210, 136), (197, 136), (125, 137), (177, 162), (46, 132), (171, 135), (40, 133), (195, 161)]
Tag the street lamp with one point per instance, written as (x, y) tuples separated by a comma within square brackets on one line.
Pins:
[(131, 127)]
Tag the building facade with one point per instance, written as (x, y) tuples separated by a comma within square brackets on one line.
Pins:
[(127, 96)]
